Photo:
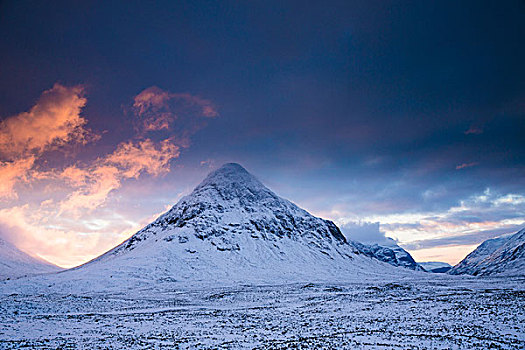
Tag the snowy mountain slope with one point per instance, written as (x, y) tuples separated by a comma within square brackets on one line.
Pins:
[(478, 255), (15, 263), (391, 254), (435, 266), (505, 255), (233, 227)]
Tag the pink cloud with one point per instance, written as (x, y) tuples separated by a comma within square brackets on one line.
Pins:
[(12, 172), (474, 130), (74, 175), (99, 182), (94, 183), (54, 121), (180, 113), (144, 156), (64, 245), (152, 97), (466, 165), (64, 218)]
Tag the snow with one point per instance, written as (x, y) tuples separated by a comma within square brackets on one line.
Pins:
[(391, 254), (425, 311), (498, 256), (14, 263), (232, 265)]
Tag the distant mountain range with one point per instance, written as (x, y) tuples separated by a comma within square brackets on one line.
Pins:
[(498, 256), (435, 266), (14, 263)]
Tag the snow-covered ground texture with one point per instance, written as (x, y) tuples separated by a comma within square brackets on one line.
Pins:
[(427, 311), (498, 256), (391, 254), (15, 263)]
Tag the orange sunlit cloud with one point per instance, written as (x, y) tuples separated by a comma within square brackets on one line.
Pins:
[(157, 110), (66, 219), (54, 121), (95, 182), (12, 172)]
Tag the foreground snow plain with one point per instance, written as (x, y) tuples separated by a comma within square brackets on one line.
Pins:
[(421, 311)]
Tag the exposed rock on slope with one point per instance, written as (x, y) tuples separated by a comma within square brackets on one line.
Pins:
[(233, 227), (505, 255), (391, 254)]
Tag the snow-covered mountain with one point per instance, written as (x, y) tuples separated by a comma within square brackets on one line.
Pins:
[(435, 266), (483, 251), (15, 263), (391, 254), (504, 255), (233, 227)]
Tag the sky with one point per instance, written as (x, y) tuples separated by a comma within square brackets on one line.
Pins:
[(396, 120)]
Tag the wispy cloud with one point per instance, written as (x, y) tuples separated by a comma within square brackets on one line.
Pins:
[(158, 110), (54, 122), (474, 130), (12, 172), (466, 165), (94, 182), (66, 242)]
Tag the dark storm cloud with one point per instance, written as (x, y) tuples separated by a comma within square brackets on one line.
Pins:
[(362, 107)]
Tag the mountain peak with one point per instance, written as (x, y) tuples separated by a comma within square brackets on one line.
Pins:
[(232, 166), (229, 172), (230, 218), (233, 181)]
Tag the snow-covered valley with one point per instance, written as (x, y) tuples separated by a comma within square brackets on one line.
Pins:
[(404, 313)]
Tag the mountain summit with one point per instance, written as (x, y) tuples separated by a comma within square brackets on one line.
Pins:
[(233, 181), (233, 227)]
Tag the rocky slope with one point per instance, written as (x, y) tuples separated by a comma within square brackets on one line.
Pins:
[(499, 256), (391, 254), (232, 227)]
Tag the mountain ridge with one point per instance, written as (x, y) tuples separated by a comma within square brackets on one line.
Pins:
[(391, 254), (496, 256), (15, 263)]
